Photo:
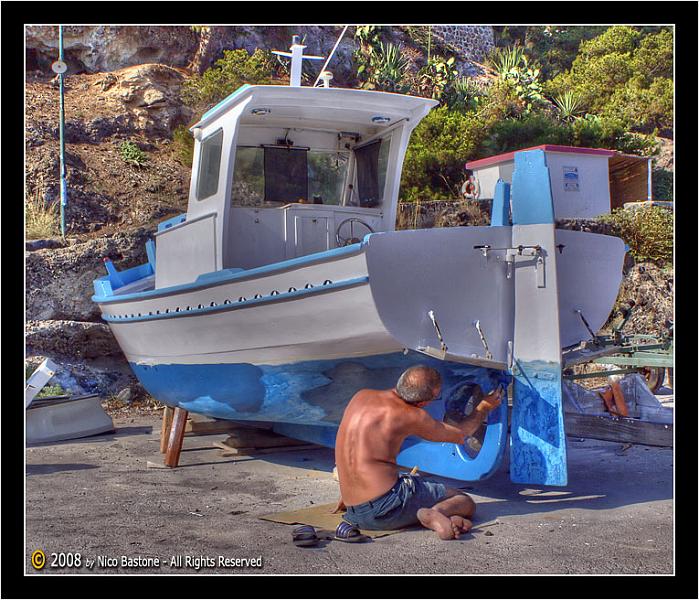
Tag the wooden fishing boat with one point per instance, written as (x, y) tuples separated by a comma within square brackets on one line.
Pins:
[(285, 287)]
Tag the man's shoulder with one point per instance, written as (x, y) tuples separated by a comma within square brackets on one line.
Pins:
[(377, 401), (373, 395)]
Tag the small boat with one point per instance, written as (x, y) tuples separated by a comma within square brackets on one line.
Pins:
[(285, 287)]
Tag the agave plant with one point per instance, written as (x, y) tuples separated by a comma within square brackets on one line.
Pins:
[(465, 95), (569, 105), (507, 60), (387, 69)]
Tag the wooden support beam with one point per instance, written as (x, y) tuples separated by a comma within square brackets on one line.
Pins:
[(624, 430), (165, 430), (174, 445), (251, 438), (201, 425), (235, 451), (619, 429)]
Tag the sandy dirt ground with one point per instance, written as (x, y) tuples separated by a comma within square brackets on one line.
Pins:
[(97, 497)]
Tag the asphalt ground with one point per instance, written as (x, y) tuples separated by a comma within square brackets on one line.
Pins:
[(98, 498)]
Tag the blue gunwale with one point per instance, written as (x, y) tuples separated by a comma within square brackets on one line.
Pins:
[(270, 299), (225, 276)]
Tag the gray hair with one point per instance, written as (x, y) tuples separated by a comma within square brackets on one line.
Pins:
[(418, 383)]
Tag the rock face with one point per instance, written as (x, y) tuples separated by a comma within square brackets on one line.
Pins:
[(59, 281), (73, 339), (110, 48), (65, 325), (151, 93), (107, 48), (319, 41)]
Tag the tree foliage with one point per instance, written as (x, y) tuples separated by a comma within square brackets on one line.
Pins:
[(439, 146), (555, 47), (624, 75), (236, 68)]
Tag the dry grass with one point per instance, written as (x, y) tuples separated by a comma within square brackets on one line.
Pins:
[(42, 219)]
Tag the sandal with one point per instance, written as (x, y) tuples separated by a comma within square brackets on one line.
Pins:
[(304, 536), (349, 533)]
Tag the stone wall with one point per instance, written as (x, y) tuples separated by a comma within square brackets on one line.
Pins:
[(442, 213), (472, 42)]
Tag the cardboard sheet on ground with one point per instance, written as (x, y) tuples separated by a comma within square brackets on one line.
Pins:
[(319, 517)]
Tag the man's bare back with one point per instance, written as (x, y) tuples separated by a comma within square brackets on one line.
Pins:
[(372, 430), (369, 438)]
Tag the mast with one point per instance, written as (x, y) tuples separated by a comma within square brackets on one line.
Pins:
[(297, 56)]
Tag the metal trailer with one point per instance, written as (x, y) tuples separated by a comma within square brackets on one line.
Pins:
[(652, 356)]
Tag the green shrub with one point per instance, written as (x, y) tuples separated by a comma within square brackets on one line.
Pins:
[(465, 95), (434, 160), (514, 68), (236, 68), (47, 390), (644, 109), (539, 128), (610, 132), (662, 184), (131, 153), (647, 230), (569, 105), (183, 145), (437, 78), (500, 102)]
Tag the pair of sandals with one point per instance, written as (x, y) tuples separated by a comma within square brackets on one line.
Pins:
[(305, 535)]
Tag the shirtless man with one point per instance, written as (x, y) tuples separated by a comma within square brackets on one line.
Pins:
[(373, 427)]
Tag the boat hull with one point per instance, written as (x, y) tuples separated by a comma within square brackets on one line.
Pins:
[(306, 400), (291, 343)]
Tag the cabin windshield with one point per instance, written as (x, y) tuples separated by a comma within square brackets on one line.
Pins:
[(275, 176)]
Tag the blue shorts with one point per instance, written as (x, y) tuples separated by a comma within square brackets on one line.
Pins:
[(398, 506)]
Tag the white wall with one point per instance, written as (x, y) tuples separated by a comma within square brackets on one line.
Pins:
[(591, 198)]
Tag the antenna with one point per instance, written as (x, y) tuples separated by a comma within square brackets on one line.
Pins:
[(297, 56)]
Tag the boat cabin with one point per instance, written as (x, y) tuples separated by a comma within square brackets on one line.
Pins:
[(281, 172)]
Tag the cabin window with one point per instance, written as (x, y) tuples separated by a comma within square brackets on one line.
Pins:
[(268, 176), (326, 176), (372, 165), (209, 165), (248, 177)]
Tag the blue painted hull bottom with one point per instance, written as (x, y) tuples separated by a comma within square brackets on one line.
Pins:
[(306, 400)]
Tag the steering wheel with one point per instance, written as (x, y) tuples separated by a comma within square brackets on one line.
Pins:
[(346, 241)]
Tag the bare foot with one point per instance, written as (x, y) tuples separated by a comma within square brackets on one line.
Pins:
[(437, 522), (460, 525)]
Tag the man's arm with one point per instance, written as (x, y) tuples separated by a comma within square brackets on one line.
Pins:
[(436, 431)]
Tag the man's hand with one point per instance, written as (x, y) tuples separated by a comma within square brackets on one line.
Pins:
[(491, 401), (340, 507)]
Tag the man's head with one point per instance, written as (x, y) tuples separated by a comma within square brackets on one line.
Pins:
[(419, 385)]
